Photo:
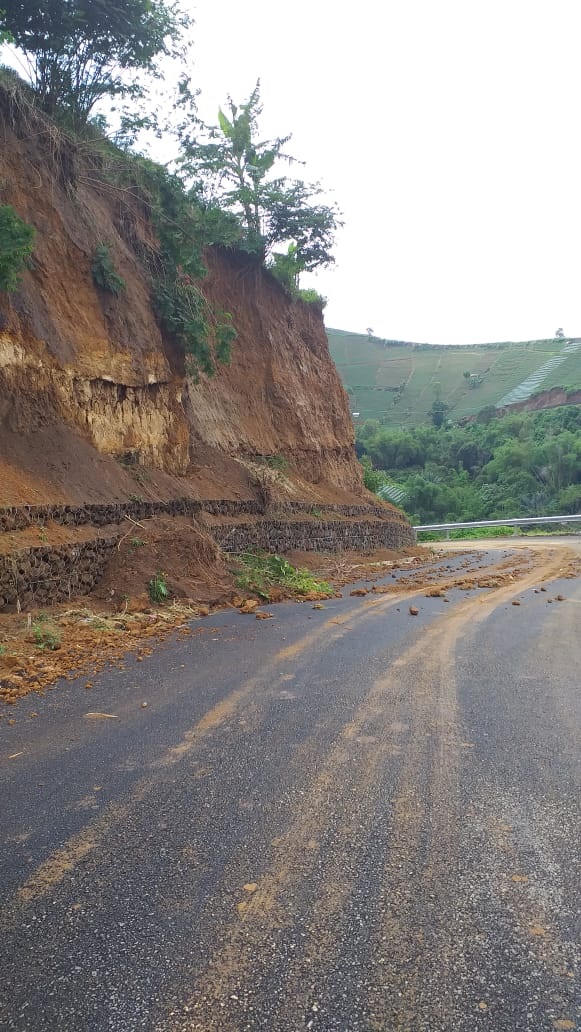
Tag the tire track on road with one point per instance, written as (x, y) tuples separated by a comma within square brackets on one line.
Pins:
[(243, 953), (356, 762), (61, 862), (420, 948)]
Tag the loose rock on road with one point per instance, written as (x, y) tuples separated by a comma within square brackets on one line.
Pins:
[(345, 819)]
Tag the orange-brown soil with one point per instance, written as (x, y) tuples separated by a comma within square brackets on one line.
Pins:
[(119, 617)]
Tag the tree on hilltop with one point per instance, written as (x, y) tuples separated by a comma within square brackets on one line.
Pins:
[(77, 51), (240, 170), (438, 412)]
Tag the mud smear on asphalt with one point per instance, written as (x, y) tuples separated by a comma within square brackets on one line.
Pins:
[(69, 641), (324, 847)]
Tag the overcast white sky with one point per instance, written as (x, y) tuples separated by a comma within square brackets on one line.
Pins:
[(447, 131)]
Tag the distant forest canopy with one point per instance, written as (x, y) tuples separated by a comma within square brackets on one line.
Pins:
[(524, 464)]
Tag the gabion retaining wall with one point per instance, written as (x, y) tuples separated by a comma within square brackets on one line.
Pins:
[(313, 536), (102, 515), (41, 576), (380, 512), (22, 516), (44, 574)]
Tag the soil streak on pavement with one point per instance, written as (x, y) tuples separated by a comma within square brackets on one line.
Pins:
[(377, 829)]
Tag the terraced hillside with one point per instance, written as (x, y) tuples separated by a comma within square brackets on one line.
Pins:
[(397, 381)]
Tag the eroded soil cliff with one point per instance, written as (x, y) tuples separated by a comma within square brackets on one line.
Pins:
[(91, 390), (118, 470)]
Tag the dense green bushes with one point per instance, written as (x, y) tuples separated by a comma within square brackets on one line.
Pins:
[(16, 242), (526, 464)]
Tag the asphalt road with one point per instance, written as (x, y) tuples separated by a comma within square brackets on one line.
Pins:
[(346, 819)]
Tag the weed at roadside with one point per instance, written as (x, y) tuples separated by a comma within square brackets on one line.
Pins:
[(45, 635), (261, 571), (158, 588)]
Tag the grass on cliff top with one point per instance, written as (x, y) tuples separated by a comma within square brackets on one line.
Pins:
[(261, 572), (397, 383)]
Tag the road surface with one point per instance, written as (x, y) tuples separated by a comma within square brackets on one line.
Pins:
[(346, 820)]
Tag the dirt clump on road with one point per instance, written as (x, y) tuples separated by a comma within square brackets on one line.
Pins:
[(121, 617), (123, 614)]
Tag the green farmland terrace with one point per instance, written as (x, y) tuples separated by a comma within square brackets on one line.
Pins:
[(398, 381)]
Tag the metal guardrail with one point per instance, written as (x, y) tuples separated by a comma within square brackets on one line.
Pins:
[(528, 521)]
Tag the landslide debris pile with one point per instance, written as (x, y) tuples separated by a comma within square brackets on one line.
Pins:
[(79, 637), (121, 612), (53, 553)]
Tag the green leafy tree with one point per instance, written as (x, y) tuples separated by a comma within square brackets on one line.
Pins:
[(78, 51), (469, 455), (394, 449), (516, 465), (291, 213), (5, 36), (232, 162), (567, 501), (369, 429), (487, 414), (438, 413), (287, 268)]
